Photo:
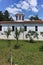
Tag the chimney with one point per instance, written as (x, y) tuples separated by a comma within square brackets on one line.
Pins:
[(19, 16)]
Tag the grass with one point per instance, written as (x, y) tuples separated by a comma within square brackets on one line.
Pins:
[(27, 54)]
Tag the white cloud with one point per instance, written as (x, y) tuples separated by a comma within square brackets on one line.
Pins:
[(28, 5), (34, 9), (42, 5), (25, 5), (27, 20), (33, 5), (18, 5), (33, 2), (13, 10), (30, 16)]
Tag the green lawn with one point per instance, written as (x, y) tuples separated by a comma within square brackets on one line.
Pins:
[(27, 54)]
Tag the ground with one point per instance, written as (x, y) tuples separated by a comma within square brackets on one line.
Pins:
[(27, 54)]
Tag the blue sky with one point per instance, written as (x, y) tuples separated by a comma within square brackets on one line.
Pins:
[(28, 7)]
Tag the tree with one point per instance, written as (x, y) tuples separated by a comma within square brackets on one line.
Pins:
[(31, 35), (1, 16), (16, 36), (5, 16), (31, 18), (7, 33), (34, 17), (17, 33)]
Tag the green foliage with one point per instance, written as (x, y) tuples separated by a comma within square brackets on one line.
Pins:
[(9, 43), (5, 16), (27, 54), (1, 16), (41, 33), (31, 35), (31, 18), (36, 35), (41, 49), (17, 33), (7, 33), (34, 17), (16, 46)]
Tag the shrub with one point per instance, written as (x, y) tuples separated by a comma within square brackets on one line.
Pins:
[(16, 46), (41, 33)]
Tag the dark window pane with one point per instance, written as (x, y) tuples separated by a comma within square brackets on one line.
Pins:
[(12, 28), (19, 17), (0, 28), (16, 17), (25, 28), (22, 17), (36, 28)]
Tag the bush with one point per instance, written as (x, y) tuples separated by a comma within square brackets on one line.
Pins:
[(41, 33), (16, 46), (31, 41), (41, 49)]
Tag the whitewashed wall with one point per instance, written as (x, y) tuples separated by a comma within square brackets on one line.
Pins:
[(29, 27)]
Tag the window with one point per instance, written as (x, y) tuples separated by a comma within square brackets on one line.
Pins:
[(0, 28), (16, 17), (22, 17), (12, 28), (19, 17), (25, 28), (36, 28)]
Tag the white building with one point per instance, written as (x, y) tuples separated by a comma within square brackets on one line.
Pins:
[(36, 25)]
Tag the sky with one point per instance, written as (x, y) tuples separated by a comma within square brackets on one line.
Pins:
[(27, 7)]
